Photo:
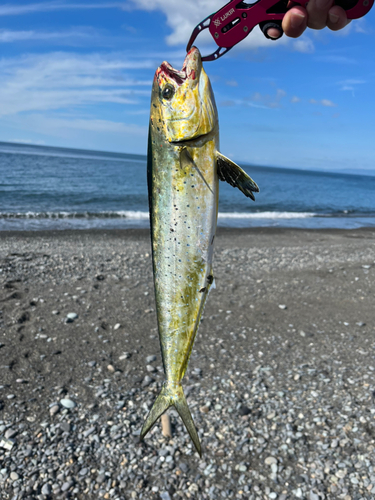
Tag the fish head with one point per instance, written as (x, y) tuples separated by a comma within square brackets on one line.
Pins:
[(182, 102)]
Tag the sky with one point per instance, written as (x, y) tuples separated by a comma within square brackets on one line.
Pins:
[(78, 74)]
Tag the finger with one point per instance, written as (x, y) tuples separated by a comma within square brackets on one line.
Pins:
[(318, 13), (295, 22), (274, 33), (337, 18)]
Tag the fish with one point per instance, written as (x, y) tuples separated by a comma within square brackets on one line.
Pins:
[(184, 167)]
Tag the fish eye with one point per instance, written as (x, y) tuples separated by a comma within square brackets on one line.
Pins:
[(168, 92)]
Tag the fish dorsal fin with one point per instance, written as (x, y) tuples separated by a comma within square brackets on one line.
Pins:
[(231, 173)]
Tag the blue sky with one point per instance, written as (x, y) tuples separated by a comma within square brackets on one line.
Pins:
[(78, 73)]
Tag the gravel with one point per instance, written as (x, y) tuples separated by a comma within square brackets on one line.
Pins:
[(280, 415)]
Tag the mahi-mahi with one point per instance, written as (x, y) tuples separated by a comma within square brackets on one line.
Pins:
[(184, 168)]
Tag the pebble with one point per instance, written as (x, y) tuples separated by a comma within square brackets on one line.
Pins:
[(147, 381), (70, 317), (111, 368), (117, 326), (46, 489), (126, 355), (68, 403), (270, 460), (54, 409), (151, 359), (282, 306), (14, 476), (10, 433)]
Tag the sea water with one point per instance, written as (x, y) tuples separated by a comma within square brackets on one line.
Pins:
[(57, 188)]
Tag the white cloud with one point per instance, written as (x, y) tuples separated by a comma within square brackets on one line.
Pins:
[(304, 45), (295, 99), (267, 100), (327, 103), (60, 80), (182, 17), (323, 102), (350, 84), (70, 37), (16, 10)]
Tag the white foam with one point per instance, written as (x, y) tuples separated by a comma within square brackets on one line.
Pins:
[(266, 215)]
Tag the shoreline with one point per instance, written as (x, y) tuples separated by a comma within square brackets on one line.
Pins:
[(145, 231)]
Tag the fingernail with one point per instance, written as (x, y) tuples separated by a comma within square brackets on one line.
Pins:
[(297, 20), (333, 18)]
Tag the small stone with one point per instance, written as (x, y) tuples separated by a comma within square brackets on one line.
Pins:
[(272, 495), (147, 381), (111, 368), (270, 460), (67, 485), (70, 317), (10, 433), (100, 479), (242, 468), (55, 312), (125, 355), (11, 396), (89, 431), (150, 368), (65, 426), (67, 403), (83, 471), (117, 326), (282, 306), (14, 476), (361, 323), (314, 496), (302, 333), (204, 409), (7, 444), (164, 495), (54, 409), (46, 490), (151, 359)]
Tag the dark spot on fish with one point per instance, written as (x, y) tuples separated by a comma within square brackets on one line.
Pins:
[(202, 289), (154, 105), (172, 230), (210, 279), (212, 241)]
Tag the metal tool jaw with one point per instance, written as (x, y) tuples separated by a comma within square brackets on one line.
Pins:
[(235, 21)]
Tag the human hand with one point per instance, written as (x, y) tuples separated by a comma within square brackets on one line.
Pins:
[(317, 15)]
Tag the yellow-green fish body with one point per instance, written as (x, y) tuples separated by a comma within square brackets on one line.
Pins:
[(184, 167)]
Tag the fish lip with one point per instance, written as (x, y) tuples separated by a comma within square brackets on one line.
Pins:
[(190, 68)]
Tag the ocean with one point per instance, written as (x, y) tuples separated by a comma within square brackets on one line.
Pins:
[(47, 188)]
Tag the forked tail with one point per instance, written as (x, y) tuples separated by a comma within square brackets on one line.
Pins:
[(172, 395)]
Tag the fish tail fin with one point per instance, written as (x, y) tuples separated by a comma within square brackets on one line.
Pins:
[(184, 412), (172, 395)]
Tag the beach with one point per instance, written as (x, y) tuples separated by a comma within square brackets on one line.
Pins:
[(280, 383)]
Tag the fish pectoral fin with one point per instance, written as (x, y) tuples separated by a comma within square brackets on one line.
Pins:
[(172, 395), (233, 174)]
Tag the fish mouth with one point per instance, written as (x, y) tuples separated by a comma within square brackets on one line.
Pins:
[(189, 71)]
